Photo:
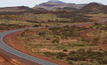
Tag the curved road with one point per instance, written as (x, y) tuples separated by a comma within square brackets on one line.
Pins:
[(26, 56)]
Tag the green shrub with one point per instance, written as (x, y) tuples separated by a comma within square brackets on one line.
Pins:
[(91, 27), (105, 52), (105, 41), (91, 60), (77, 44), (87, 41), (100, 49), (60, 55), (99, 58), (17, 34), (56, 40), (74, 58), (92, 44), (76, 33), (82, 57), (83, 28), (48, 39), (65, 50), (82, 39), (48, 54), (70, 62), (89, 51), (96, 40), (102, 61), (81, 52), (42, 33), (72, 52), (36, 26), (97, 23)]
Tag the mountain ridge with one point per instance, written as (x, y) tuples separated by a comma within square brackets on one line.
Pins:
[(16, 9), (56, 1), (93, 7), (51, 4)]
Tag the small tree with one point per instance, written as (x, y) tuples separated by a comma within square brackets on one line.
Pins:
[(83, 39), (87, 41), (96, 23), (37, 32), (76, 33), (96, 40), (105, 41), (63, 37), (22, 34), (56, 40), (42, 33), (72, 52), (65, 50), (60, 55), (26, 30)]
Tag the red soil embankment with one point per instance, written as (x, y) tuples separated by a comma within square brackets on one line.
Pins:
[(100, 42), (7, 60)]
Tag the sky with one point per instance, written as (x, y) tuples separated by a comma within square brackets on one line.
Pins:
[(32, 3)]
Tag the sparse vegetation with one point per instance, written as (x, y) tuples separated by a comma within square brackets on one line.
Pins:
[(60, 43), (60, 46)]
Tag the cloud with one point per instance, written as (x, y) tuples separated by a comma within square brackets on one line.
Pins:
[(32, 3), (53, 0)]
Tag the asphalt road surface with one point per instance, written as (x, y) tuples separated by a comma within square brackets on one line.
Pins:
[(26, 56)]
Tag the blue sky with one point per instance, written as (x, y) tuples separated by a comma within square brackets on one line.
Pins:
[(32, 3)]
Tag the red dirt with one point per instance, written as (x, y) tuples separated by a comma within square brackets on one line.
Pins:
[(14, 42), (84, 34), (100, 42), (6, 60)]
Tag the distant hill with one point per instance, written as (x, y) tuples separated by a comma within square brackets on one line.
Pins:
[(52, 4), (93, 7), (39, 9), (56, 1), (64, 9), (98, 3), (16, 9)]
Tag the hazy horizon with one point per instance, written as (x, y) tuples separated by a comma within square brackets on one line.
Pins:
[(32, 3)]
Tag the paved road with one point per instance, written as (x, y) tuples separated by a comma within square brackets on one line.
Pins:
[(25, 56)]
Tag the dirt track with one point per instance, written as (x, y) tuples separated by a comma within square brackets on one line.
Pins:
[(100, 43), (6, 60)]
